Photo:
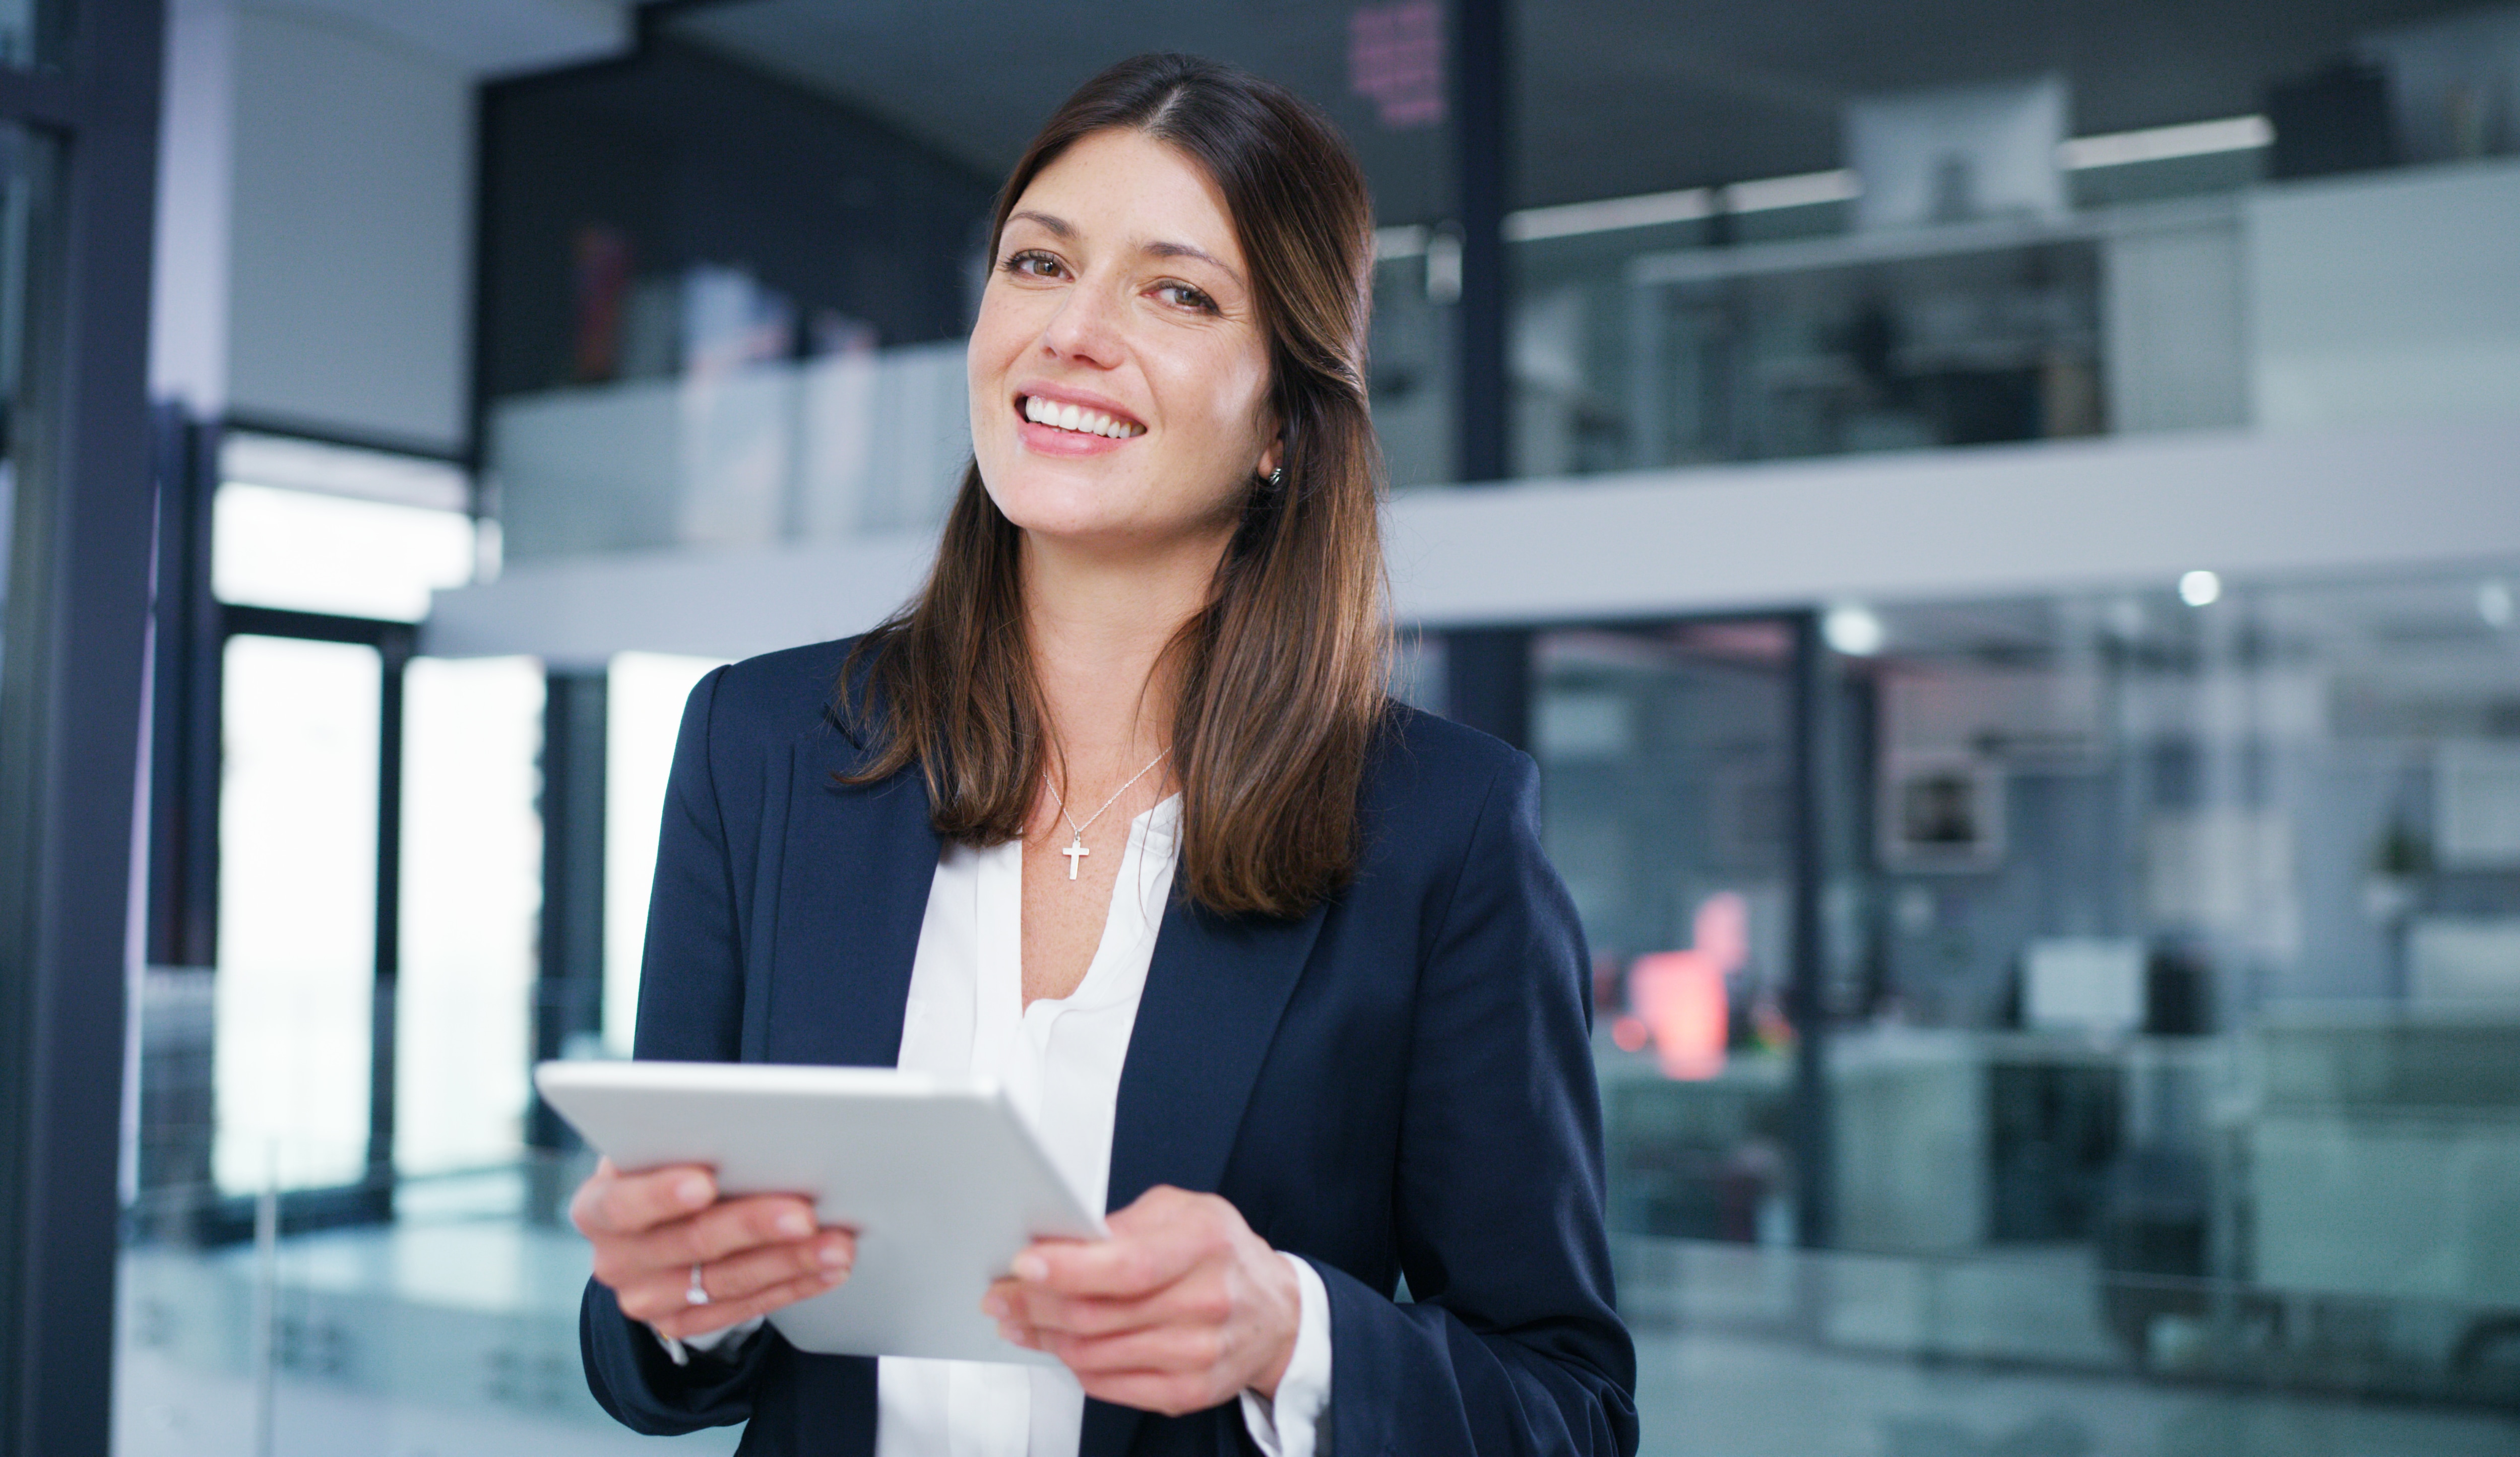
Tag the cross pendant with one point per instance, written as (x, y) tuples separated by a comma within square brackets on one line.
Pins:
[(1075, 855)]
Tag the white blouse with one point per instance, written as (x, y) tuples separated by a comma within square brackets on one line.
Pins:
[(1060, 1062)]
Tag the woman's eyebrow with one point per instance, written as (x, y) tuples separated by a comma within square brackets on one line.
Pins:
[(1185, 250), (1059, 227)]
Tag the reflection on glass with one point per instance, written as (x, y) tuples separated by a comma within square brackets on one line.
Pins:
[(1665, 756), (2171, 969), (317, 553), (297, 889), (472, 894), (644, 696)]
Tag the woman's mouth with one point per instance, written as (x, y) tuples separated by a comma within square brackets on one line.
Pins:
[(1076, 418)]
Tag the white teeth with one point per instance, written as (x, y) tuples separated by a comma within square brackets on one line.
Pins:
[(1076, 417)]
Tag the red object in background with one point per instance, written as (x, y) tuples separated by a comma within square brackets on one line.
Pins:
[(599, 289), (1395, 59), (1679, 997)]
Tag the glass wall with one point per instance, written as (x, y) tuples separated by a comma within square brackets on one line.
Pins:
[(2051, 1026), (2169, 998), (1819, 235), (684, 352)]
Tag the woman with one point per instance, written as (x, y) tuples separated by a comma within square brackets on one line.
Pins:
[(1117, 811)]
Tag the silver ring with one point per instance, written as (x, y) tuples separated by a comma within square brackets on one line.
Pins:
[(696, 1293)]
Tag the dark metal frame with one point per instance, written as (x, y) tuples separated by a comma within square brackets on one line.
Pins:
[(70, 728)]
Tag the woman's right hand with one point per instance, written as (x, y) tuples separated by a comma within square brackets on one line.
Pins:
[(755, 1255)]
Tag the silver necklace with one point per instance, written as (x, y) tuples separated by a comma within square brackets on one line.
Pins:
[(1076, 851)]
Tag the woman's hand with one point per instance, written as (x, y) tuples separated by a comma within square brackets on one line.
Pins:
[(755, 1255), (1182, 1309)]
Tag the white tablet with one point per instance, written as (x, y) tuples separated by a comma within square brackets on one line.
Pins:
[(940, 1177)]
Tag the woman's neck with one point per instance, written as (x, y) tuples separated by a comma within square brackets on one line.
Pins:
[(1098, 628)]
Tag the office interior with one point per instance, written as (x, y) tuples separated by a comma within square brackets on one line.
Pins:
[(1999, 524)]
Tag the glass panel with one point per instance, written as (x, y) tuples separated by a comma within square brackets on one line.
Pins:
[(643, 697), (273, 547), (441, 1333), (2173, 1008), (2016, 230), (1665, 754), (683, 351), (297, 896), (471, 897)]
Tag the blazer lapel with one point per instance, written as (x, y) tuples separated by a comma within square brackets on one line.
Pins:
[(1215, 991), (856, 866)]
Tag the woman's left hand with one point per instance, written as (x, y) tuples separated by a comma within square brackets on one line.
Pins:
[(1180, 1309)]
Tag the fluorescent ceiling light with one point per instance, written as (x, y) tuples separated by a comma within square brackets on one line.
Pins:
[(2161, 143), (1802, 190), (1650, 210), (1806, 189), (1852, 629), (1407, 241)]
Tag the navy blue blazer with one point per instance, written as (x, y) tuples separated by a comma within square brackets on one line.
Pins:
[(1398, 1083)]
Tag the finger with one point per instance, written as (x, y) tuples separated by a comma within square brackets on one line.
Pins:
[(725, 1229), (1170, 1393), (657, 1295), (1137, 1263), (1175, 1350), (718, 1315), (744, 1276), (1188, 1302), (670, 1249), (615, 1202)]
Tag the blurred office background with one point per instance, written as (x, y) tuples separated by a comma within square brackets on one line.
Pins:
[(1999, 522)]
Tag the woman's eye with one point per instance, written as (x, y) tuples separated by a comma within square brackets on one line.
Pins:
[(1187, 297), (1032, 264)]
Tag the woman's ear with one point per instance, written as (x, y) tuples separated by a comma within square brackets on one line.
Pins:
[(1272, 458)]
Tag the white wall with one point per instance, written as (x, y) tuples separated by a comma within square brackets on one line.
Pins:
[(188, 336), (2394, 296), (315, 234), (349, 272)]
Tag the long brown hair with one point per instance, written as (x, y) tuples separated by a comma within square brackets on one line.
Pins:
[(1283, 674)]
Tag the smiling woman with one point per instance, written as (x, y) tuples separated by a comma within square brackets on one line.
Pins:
[(1117, 813), (1195, 264)]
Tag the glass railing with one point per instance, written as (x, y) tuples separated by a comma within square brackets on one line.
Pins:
[(451, 1327), (1771, 1349), (850, 444), (2178, 294), (2347, 302), (438, 1315)]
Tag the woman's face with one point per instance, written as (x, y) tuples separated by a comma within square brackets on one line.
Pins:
[(1119, 370)]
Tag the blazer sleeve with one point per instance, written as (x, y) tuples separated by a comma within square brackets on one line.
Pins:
[(1513, 1344), (691, 1009)]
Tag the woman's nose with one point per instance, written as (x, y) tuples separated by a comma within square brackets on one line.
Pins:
[(1086, 328)]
